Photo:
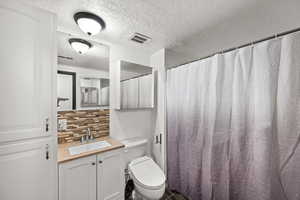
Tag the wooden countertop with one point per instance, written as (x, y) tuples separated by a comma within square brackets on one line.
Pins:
[(64, 156)]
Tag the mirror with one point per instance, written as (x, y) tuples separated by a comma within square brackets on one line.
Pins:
[(137, 86), (82, 77)]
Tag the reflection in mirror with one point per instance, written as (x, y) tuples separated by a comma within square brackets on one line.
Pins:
[(94, 92), (84, 83), (66, 90), (137, 86)]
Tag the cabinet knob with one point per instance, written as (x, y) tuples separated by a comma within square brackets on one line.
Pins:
[(100, 161), (93, 163)]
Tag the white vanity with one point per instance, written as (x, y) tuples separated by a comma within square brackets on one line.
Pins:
[(92, 175)]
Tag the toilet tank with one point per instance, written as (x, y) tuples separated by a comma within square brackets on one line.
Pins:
[(134, 148)]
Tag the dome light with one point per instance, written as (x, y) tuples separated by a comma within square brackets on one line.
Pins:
[(89, 23), (79, 45)]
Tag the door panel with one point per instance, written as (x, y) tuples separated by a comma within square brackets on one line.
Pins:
[(110, 173), (26, 173), (27, 62), (159, 139), (78, 179)]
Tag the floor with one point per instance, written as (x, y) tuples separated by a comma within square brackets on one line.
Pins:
[(169, 195), (172, 195), (130, 194)]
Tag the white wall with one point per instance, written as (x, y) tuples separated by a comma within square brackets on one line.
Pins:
[(263, 20), (83, 72), (134, 123)]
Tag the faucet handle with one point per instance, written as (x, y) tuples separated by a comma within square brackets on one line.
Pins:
[(82, 139)]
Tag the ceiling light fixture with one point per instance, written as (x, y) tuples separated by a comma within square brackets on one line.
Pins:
[(89, 23), (79, 45)]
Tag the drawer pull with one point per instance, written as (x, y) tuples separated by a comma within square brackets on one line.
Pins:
[(47, 124)]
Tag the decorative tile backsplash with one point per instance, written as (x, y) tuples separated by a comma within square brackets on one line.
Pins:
[(74, 124)]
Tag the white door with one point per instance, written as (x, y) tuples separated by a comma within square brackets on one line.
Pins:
[(27, 64), (78, 179), (110, 174), (26, 170)]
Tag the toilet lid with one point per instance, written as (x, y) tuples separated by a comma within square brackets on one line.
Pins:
[(147, 172)]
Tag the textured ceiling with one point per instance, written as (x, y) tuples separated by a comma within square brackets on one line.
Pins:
[(96, 58), (167, 22)]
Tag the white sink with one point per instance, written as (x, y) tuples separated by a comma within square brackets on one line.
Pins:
[(88, 147)]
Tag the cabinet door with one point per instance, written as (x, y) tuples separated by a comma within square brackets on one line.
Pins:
[(26, 172), (78, 179), (27, 60), (111, 178)]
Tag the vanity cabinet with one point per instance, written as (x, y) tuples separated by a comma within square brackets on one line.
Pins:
[(78, 179), (96, 177), (110, 173)]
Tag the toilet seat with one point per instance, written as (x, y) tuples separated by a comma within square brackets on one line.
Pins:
[(146, 173)]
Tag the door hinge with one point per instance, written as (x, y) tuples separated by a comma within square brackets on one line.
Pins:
[(47, 124), (47, 152)]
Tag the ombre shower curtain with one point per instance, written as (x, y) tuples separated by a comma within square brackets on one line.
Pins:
[(233, 123)]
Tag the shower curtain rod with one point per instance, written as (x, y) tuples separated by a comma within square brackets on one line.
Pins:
[(241, 46)]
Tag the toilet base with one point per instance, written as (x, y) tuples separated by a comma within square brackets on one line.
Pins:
[(150, 194), (138, 196)]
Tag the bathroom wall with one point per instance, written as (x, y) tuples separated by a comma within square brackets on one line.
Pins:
[(134, 123), (249, 24), (83, 72)]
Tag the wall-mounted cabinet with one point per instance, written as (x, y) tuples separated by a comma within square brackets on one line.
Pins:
[(28, 122), (136, 86), (96, 177)]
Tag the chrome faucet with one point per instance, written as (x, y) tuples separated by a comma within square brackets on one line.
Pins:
[(88, 137)]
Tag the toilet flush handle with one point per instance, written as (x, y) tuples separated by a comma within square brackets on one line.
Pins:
[(158, 139)]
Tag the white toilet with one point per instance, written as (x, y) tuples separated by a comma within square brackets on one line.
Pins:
[(149, 179)]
